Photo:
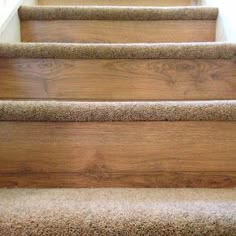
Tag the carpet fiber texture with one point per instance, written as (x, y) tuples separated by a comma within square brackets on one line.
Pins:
[(117, 111), (163, 212), (117, 13), (119, 51)]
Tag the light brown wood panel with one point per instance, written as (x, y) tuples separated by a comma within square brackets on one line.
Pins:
[(107, 152), (117, 2), (106, 180), (118, 31), (126, 79)]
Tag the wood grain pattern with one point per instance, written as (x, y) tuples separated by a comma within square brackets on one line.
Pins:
[(122, 180), (199, 154), (118, 31), (118, 79), (117, 2)]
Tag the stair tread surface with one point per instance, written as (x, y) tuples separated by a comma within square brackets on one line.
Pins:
[(117, 111), (116, 13), (119, 51), (118, 211)]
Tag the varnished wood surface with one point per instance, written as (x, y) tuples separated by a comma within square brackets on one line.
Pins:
[(117, 2), (126, 79), (118, 31), (130, 154), (106, 180)]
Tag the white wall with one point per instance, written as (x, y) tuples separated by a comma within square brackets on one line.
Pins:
[(226, 23), (9, 20), (11, 30)]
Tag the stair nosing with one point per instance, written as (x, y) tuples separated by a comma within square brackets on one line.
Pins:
[(119, 51), (116, 13), (86, 111)]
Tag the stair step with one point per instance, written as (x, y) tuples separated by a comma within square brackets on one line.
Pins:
[(90, 212), (117, 111), (117, 24), (118, 2), (118, 71), (142, 149)]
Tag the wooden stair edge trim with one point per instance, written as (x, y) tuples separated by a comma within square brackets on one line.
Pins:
[(119, 180)]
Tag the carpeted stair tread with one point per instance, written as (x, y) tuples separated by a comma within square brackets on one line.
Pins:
[(116, 13), (119, 51), (163, 212), (117, 111)]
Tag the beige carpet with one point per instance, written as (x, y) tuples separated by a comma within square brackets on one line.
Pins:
[(110, 212), (119, 51), (117, 13), (117, 111)]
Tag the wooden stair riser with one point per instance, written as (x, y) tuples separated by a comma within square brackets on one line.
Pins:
[(118, 154), (119, 2), (105, 31), (118, 79)]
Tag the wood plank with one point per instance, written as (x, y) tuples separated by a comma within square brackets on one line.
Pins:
[(122, 180), (118, 31), (123, 79), (107, 152), (117, 2)]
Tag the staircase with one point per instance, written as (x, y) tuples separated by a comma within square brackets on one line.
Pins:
[(129, 110), (93, 24)]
